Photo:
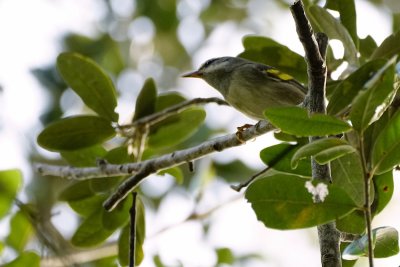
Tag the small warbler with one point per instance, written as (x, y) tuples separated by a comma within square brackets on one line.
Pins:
[(250, 87)]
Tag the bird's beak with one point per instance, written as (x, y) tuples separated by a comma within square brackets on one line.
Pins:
[(193, 74)]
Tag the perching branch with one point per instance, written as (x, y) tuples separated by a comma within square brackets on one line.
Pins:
[(147, 167), (315, 50)]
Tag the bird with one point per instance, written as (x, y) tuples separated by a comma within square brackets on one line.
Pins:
[(248, 86)]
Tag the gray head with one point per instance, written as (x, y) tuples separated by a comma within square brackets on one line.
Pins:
[(217, 71)]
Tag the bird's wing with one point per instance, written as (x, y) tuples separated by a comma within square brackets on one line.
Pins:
[(279, 76)]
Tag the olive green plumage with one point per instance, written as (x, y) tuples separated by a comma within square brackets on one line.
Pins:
[(250, 87)]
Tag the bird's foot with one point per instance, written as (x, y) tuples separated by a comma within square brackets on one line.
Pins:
[(240, 130)]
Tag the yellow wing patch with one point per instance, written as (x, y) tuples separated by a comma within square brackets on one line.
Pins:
[(280, 75)]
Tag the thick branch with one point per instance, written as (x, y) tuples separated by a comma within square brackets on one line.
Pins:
[(315, 50), (147, 167), (152, 166)]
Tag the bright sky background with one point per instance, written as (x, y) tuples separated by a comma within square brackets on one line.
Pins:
[(30, 32)]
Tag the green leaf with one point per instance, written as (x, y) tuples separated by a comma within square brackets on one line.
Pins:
[(281, 201), (90, 82), (348, 89), (183, 125), (10, 184), (370, 103), (352, 223), (279, 157), (146, 100), (169, 99), (91, 231), (323, 150), (367, 46), (385, 242), (21, 231), (85, 157), (347, 11), (76, 191), (89, 205), (232, 171), (389, 47), (295, 120), (386, 151), (335, 30), (347, 173), (384, 188), (269, 52), (176, 172), (123, 240), (118, 216), (75, 133), (26, 258), (225, 256)]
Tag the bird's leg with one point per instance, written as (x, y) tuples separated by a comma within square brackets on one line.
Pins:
[(240, 130)]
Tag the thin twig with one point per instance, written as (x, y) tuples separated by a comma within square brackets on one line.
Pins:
[(162, 115), (271, 164), (132, 234)]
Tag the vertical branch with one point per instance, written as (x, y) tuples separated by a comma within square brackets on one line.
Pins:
[(132, 232), (315, 50), (367, 207)]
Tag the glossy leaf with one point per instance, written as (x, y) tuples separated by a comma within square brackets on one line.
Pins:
[(323, 150), (335, 30), (281, 201), (10, 184), (91, 231), (386, 151), (389, 47), (123, 240), (26, 258), (385, 241), (182, 126), (265, 50), (347, 173), (76, 132), (370, 103), (279, 157), (146, 100), (384, 187), (295, 120), (348, 89), (90, 82), (21, 231)]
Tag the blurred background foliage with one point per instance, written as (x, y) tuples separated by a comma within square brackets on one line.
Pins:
[(136, 40)]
